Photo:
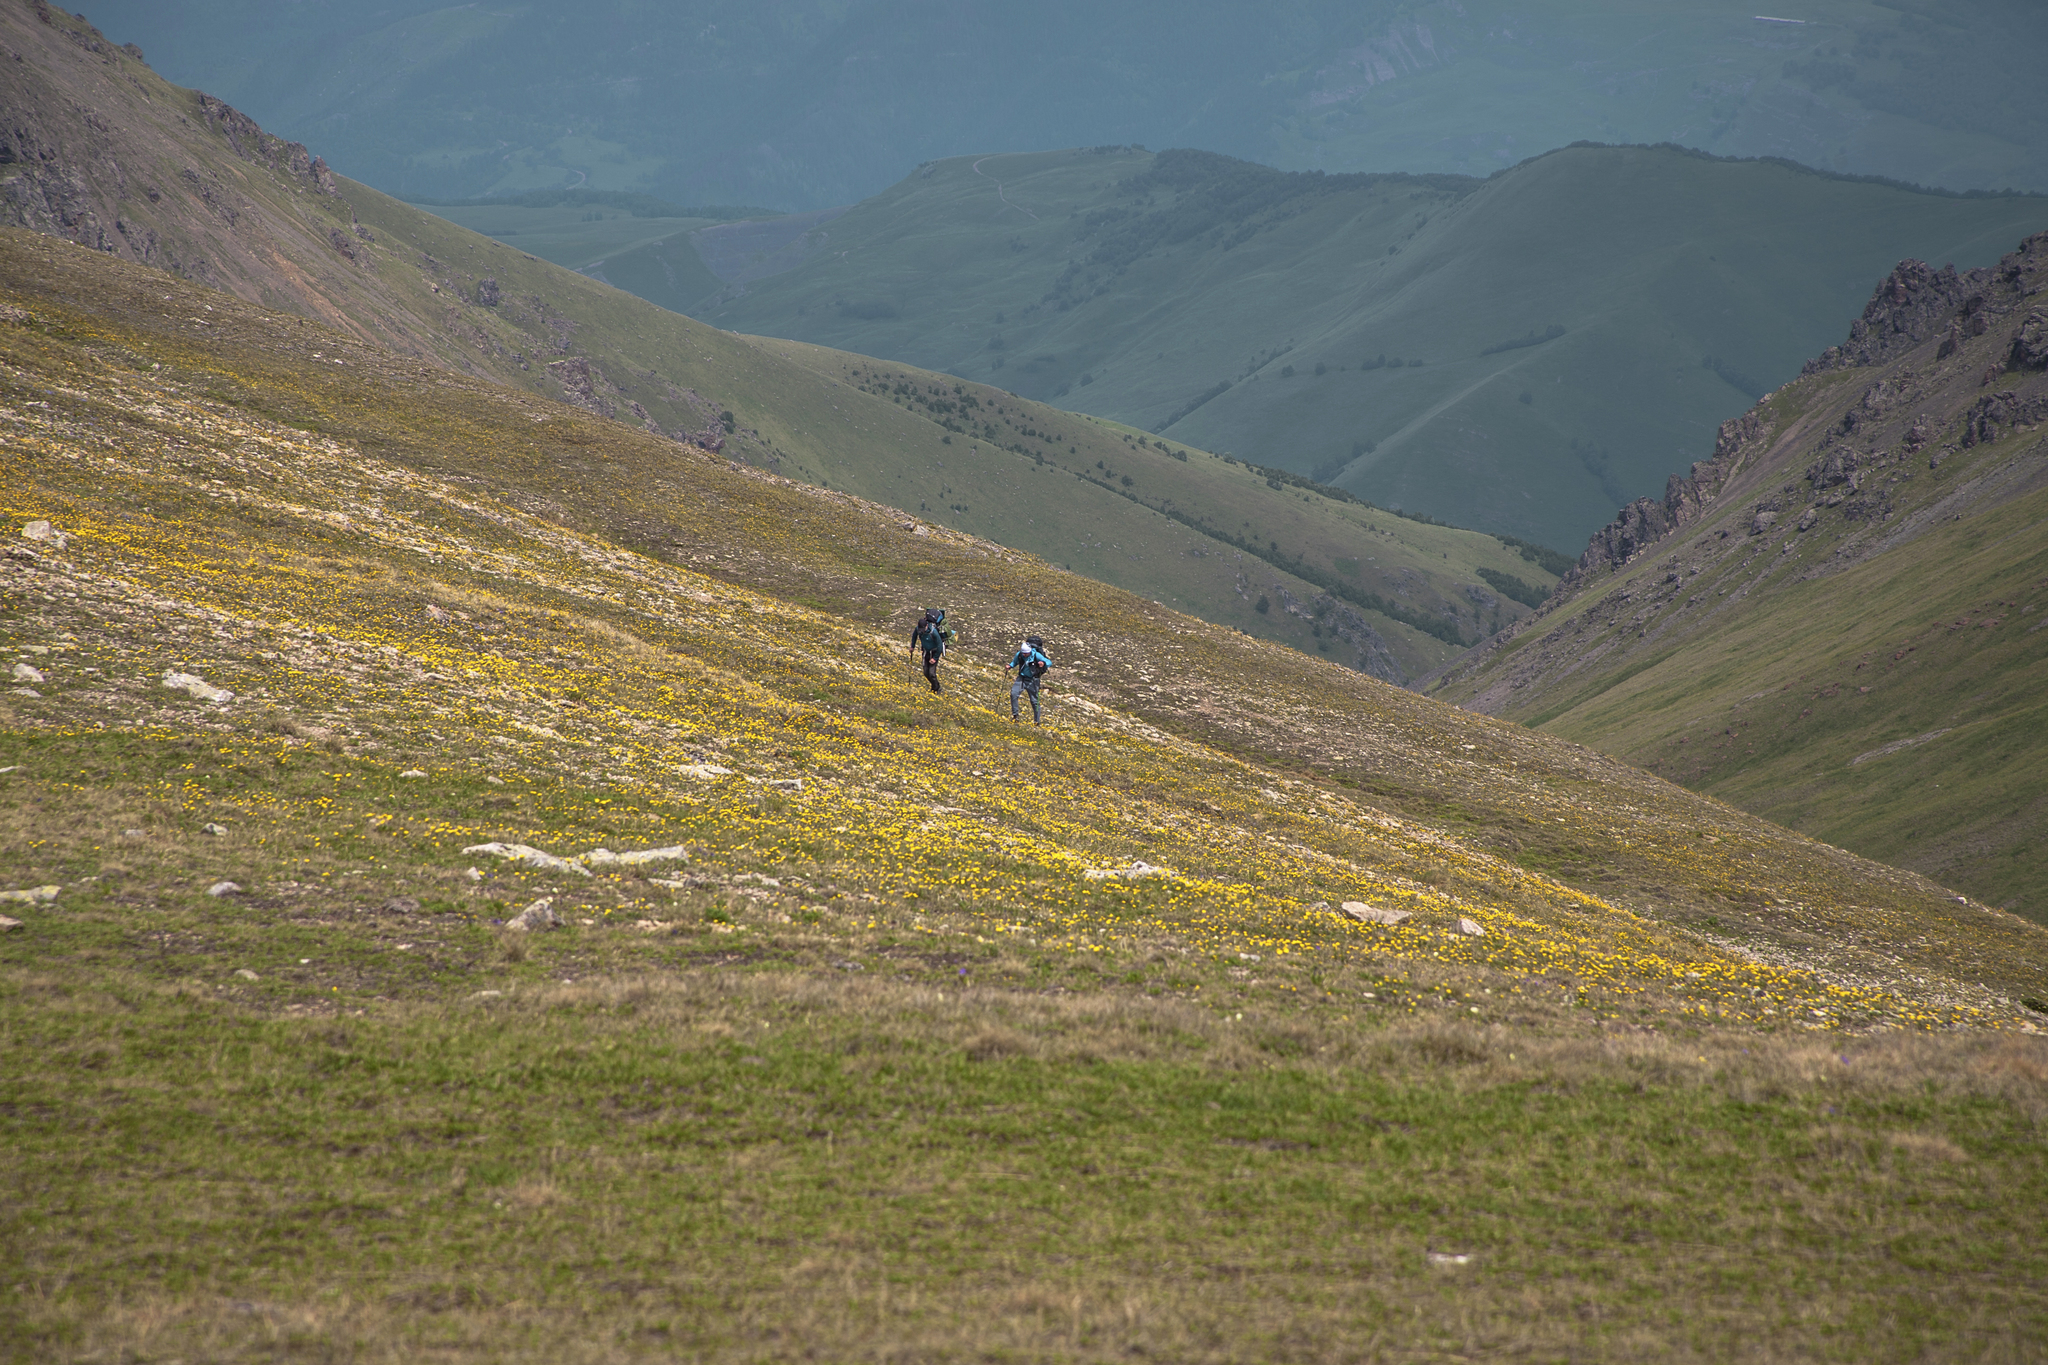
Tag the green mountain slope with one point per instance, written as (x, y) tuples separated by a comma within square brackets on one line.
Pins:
[(1282, 317), (106, 154), (475, 870), (1841, 621), (811, 103)]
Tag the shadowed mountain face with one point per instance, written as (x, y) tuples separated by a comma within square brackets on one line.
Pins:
[(813, 103), (1520, 353), (1841, 620)]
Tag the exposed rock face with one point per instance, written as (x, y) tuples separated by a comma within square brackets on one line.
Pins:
[(1646, 521), (2030, 343), (487, 293), (1909, 307), (1985, 421)]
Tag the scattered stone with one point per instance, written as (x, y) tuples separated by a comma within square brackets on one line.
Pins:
[(849, 966), (486, 995), (219, 889), (26, 673), (15, 769), (44, 533), (34, 895), (540, 915), (704, 772), (400, 905), (27, 692), (6, 924), (788, 784), (1471, 928), (437, 615), (495, 781), (132, 834), (215, 830), (523, 853), (197, 686), (1450, 1258), (474, 875), (674, 853), (246, 974), (1138, 868), (413, 772), (1372, 914)]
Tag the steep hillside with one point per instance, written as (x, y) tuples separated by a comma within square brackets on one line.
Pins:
[(810, 103), (475, 871), (103, 153), (1838, 620), (1518, 354)]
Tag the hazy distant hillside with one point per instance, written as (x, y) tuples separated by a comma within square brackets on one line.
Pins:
[(1519, 354), (811, 103)]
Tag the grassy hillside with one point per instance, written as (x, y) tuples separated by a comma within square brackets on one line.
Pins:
[(1849, 638), (1519, 354), (260, 219), (892, 1047), (812, 103)]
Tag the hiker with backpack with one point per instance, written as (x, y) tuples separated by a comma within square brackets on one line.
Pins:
[(931, 635), (1029, 664)]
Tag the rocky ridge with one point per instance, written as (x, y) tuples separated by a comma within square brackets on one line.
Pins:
[(1883, 453)]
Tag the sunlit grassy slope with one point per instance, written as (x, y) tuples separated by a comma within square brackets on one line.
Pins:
[(1863, 662), (896, 1047), (1282, 317), (1213, 538)]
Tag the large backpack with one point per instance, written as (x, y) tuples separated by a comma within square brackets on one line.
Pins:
[(1035, 663)]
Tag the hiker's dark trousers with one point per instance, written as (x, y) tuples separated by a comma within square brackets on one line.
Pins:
[(931, 670), (1024, 685)]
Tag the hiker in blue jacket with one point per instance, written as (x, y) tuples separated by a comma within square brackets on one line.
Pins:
[(931, 636), (1029, 664)]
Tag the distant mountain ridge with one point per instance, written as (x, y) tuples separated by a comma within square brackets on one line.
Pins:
[(1840, 620), (1519, 353), (812, 103)]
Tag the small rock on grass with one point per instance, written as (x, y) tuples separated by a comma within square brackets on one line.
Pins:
[(1372, 914), (28, 674), (6, 924), (246, 974), (401, 905), (215, 830), (1471, 928), (413, 772), (219, 889), (495, 781), (199, 687), (34, 895), (540, 915)]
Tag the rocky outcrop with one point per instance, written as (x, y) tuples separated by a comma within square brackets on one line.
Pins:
[(1686, 498), (1991, 416), (2030, 343), (1910, 307)]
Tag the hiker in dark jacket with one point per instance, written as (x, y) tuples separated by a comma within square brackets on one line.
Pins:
[(931, 636), (1029, 664)]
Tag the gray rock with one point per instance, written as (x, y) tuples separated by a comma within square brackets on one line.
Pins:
[(246, 974), (219, 889), (28, 674), (1471, 928), (540, 915), (27, 692), (6, 924), (199, 687), (1372, 914), (34, 895), (524, 853), (400, 905), (215, 830), (413, 772), (45, 533)]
